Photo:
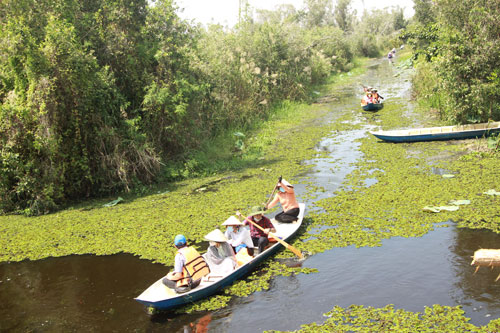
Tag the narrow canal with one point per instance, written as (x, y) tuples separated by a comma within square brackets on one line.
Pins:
[(90, 293)]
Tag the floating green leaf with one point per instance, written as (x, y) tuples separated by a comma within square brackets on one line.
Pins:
[(113, 203), (459, 202), (434, 209), (491, 192), (431, 209)]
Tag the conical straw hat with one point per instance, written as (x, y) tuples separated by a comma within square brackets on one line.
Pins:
[(216, 236), (232, 220)]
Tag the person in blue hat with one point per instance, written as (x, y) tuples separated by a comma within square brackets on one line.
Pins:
[(189, 267)]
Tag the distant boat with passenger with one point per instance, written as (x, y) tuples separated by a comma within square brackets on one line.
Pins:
[(161, 297), (371, 101), (439, 133)]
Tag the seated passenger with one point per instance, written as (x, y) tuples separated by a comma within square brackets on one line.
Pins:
[(220, 255), (367, 99), (259, 237), (189, 267), (375, 96), (237, 235)]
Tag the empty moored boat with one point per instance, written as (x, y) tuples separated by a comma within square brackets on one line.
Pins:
[(439, 133)]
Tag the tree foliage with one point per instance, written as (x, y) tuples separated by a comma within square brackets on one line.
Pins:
[(463, 46)]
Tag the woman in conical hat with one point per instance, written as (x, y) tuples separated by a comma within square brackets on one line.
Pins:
[(237, 235), (220, 255)]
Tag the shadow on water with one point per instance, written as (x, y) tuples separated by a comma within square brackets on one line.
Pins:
[(80, 293)]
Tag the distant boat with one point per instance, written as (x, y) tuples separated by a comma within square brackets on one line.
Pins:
[(161, 297), (439, 133), (373, 106)]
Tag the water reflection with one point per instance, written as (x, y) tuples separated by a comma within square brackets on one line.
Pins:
[(72, 293)]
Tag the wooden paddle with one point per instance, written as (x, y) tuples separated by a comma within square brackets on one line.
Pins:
[(285, 244), (272, 194)]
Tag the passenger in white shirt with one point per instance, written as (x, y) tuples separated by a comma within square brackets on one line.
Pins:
[(238, 235)]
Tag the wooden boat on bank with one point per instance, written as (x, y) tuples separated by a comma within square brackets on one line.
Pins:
[(161, 297), (439, 133), (373, 106)]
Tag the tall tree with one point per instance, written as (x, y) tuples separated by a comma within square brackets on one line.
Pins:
[(344, 15), (318, 13), (424, 11)]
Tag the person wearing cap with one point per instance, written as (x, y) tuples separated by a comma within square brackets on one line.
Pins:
[(220, 255), (189, 267), (259, 237), (237, 235), (286, 197)]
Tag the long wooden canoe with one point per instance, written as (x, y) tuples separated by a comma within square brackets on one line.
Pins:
[(161, 297), (373, 106), (439, 133)]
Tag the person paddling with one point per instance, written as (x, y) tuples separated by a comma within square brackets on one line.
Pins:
[(189, 267), (375, 96), (286, 197), (259, 237)]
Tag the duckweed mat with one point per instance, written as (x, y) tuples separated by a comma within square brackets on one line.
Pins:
[(358, 318)]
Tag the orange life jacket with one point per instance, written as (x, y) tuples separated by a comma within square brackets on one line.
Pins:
[(195, 267)]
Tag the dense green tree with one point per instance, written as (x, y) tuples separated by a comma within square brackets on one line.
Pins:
[(424, 12), (64, 130), (463, 48), (399, 20), (469, 60)]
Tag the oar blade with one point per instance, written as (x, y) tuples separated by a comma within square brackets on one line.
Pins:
[(288, 246)]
